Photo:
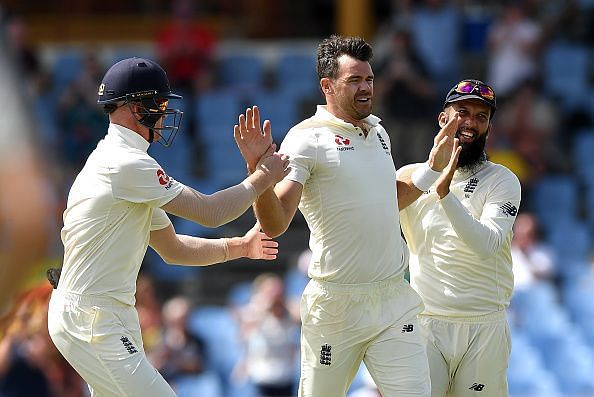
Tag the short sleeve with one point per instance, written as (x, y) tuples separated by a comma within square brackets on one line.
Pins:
[(143, 180), (160, 220), (301, 147)]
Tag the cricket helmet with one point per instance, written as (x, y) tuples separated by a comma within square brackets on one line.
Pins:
[(143, 82)]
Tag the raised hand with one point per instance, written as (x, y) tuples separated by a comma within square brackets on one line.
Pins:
[(443, 144), (252, 140), (259, 245), (442, 186)]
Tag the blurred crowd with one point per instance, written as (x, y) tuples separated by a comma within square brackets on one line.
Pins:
[(535, 53)]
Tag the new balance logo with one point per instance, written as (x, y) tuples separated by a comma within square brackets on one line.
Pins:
[(408, 328), (326, 354), (477, 387), (509, 209), (128, 345), (471, 185)]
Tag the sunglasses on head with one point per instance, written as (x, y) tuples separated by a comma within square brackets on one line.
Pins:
[(467, 87)]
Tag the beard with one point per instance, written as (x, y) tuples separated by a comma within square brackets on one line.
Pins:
[(473, 154)]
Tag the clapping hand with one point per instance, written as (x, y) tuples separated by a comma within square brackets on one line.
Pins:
[(442, 186), (443, 144)]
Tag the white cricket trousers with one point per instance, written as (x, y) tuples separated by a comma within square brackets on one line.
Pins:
[(100, 338), (376, 323), (468, 356)]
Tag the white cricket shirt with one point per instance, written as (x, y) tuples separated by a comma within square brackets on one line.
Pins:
[(112, 206), (460, 246), (349, 198)]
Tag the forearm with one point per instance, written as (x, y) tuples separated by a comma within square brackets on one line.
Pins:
[(272, 216), (484, 239), (212, 210), (195, 251), (220, 207)]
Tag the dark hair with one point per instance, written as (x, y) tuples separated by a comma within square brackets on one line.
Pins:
[(331, 48), (109, 108)]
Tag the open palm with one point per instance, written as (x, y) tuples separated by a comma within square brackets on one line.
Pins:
[(252, 140)]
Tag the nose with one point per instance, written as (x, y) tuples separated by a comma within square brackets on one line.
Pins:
[(469, 122), (365, 86)]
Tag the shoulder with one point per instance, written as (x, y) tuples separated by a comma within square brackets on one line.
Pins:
[(310, 127), (504, 178), (381, 130), (309, 131), (503, 172)]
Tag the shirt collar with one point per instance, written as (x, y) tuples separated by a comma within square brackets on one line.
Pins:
[(128, 137), (323, 114)]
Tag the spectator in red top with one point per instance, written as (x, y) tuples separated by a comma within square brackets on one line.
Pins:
[(185, 49)]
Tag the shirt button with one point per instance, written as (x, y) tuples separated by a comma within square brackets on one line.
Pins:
[(360, 134)]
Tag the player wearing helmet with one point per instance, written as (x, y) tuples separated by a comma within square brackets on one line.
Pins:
[(147, 95), (116, 208)]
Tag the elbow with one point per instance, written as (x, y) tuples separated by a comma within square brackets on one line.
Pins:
[(274, 232), (167, 259), (212, 222)]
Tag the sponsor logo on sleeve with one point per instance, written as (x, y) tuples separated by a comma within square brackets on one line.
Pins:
[(164, 179), (509, 209)]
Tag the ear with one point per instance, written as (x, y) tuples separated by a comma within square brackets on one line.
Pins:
[(442, 119), (326, 86)]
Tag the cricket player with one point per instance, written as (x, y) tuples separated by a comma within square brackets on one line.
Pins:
[(117, 208), (459, 234), (357, 306)]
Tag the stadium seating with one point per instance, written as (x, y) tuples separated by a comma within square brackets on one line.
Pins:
[(296, 73), (573, 366), (242, 71), (582, 150), (216, 113), (280, 107), (216, 109), (572, 242), (566, 69), (66, 67), (555, 200), (527, 374)]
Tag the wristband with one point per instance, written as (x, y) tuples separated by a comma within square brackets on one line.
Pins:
[(423, 177)]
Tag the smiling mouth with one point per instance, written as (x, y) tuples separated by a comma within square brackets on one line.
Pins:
[(466, 136)]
